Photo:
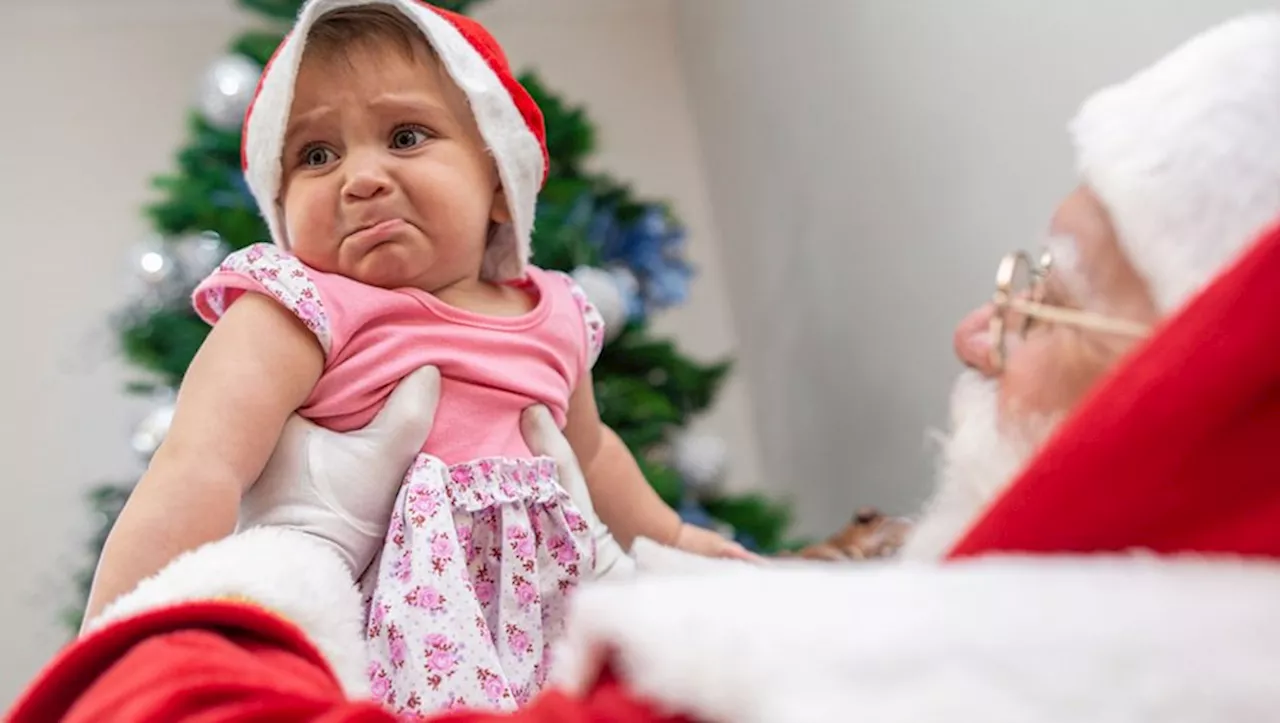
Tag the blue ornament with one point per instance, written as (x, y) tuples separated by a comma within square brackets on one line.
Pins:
[(603, 232), (694, 514), (651, 247), (746, 541)]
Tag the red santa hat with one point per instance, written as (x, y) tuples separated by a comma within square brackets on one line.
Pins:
[(1185, 155), (508, 118)]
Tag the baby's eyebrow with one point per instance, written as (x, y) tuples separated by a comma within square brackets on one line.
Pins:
[(412, 103), (304, 119)]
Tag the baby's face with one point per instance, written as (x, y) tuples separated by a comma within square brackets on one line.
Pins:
[(386, 177)]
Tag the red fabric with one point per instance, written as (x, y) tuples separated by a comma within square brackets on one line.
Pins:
[(1177, 450), (223, 662)]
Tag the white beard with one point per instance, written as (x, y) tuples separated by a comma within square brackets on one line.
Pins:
[(978, 461)]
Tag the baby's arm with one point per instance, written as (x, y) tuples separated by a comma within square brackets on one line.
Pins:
[(257, 366), (623, 499)]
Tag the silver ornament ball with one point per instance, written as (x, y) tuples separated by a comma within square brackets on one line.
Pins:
[(200, 254), (227, 89), (602, 290), (700, 459), (153, 262)]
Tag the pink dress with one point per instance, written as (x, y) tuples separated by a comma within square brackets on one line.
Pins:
[(484, 546)]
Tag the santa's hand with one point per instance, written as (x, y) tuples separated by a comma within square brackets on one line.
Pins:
[(544, 438), (701, 541), (340, 487)]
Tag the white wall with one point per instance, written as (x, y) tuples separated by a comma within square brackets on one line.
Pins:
[(869, 162), (96, 95)]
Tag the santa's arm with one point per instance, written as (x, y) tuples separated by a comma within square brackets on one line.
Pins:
[(224, 634)]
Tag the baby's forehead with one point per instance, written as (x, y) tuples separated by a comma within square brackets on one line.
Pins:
[(365, 80), (362, 50), (374, 61)]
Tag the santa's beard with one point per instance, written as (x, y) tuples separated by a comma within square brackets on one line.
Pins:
[(980, 457)]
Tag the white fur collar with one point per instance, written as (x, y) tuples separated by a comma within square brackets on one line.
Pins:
[(1095, 640)]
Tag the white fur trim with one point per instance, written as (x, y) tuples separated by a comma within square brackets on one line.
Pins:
[(1127, 639), (515, 149), (289, 573), (1186, 156)]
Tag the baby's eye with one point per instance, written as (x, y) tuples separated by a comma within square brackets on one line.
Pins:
[(408, 138), (316, 156)]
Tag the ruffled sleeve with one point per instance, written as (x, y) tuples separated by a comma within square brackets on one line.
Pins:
[(592, 320), (268, 270)]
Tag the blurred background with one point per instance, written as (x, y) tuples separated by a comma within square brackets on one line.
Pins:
[(787, 210)]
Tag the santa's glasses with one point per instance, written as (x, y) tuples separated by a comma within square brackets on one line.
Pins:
[(1019, 302)]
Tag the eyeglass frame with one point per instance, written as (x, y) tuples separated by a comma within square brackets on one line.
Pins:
[(1004, 301)]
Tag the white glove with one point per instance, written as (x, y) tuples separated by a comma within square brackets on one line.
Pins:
[(545, 438), (340, 487)]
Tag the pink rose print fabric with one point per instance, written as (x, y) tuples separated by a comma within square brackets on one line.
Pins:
[(469, 591)]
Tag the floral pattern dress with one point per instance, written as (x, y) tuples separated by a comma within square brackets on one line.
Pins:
[(469, 592)]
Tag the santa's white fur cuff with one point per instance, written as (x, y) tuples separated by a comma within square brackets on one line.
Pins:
[(289, 573)]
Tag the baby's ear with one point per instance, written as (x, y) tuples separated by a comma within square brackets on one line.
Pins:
[(501, 211)]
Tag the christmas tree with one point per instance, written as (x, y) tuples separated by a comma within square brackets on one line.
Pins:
[(626, 252)]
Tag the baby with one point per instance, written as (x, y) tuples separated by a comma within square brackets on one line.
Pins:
[(397, 162)]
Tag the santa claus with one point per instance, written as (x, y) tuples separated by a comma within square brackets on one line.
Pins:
[(1107, 521)]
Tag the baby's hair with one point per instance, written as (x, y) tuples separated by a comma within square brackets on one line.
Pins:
[(370, 25)]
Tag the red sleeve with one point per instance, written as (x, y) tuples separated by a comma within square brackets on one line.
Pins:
[(217, 662), (206, 661)]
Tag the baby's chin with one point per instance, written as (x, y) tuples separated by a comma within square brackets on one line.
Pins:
[(390, 266)]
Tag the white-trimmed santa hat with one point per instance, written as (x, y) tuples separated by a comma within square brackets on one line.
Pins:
[(1185, 155), (508, 118)]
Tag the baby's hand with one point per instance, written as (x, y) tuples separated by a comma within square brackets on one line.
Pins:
[(701, 541)]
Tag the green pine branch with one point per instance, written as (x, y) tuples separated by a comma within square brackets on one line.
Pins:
[(570, 136), (258, 45), (282, 10), (163, 341)]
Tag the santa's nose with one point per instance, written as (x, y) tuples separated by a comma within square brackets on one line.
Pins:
[(973, 340)]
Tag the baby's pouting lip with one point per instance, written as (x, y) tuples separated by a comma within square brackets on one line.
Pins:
[(369, 235)]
